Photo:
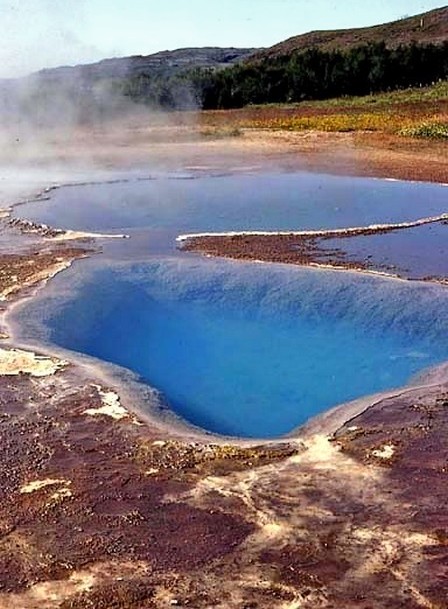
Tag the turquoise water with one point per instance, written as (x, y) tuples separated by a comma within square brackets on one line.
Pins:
[(241, 348), (251, 350)]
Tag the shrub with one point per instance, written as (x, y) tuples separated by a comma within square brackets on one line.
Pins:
[(436, 130)]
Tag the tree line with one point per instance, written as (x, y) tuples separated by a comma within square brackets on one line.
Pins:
[(305, 75)]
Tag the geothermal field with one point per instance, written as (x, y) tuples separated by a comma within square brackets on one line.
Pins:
[(224, 331)]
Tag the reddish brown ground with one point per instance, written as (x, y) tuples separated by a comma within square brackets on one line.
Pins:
[(136, 519), (307, 251), (289, 249)]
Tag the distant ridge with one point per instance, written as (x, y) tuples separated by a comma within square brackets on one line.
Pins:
[(87, 91), (430, 27), (163, 63)]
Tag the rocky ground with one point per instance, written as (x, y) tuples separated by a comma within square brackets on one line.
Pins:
[(98, 509), (102, 509)]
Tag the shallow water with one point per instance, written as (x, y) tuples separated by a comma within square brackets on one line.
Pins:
[(241, 348), (415, 253), (238, 202)]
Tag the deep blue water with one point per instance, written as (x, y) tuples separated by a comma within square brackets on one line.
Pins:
[(248, 349), (241, 348)]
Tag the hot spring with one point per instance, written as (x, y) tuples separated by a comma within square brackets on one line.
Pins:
[(242, 349)]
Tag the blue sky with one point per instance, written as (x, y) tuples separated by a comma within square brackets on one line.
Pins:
[(46, 33)]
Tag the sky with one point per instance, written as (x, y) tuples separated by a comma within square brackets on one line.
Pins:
[(48, 33)]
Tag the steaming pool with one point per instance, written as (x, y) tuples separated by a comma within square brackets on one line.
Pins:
[(242, 349)]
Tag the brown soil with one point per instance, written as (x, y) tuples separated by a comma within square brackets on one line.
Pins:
[(125, 516), (289, 249), (20, 271)]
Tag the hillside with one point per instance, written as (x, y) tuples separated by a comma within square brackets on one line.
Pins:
[(83, 92), (166, 63), (430, 27)]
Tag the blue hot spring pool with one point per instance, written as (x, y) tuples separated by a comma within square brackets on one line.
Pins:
[(241, 349)]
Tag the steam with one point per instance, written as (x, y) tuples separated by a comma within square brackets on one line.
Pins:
[(69, 116), (37, 35)]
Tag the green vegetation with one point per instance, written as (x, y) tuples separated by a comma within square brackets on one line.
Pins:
[(315, 74), (433, 93), (404, 112), (433, 130), (312, 74), (411, 52)]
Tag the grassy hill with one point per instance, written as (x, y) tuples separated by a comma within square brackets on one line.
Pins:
[(430, 27)]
